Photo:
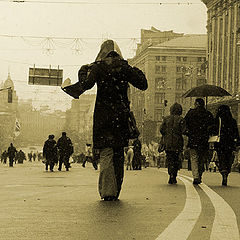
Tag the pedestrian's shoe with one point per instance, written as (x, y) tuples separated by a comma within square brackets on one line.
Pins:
[(196, 181), (51, 170), (83, 166), (175, 179), (67, 169), (170, 181)]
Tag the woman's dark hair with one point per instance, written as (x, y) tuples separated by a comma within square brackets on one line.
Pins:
[(224, 112)]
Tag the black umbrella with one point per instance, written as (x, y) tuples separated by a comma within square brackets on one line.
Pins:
[(206, 91)]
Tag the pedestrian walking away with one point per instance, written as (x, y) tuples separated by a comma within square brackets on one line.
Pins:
[(199, 124), (4, 157), (172, 129), (229, 138), (112, 74), (129, 156), (65, 148), (50, 152), (30, 156), (137, 156), (11, 154), (89, 156)]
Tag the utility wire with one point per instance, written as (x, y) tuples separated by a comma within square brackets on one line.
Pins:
[(102, 3)]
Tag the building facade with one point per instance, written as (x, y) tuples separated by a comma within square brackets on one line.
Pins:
[(8, 113), (79, 121), (171, 67), (223, 28)]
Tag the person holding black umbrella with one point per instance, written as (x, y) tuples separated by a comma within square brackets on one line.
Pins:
[(198, 126)]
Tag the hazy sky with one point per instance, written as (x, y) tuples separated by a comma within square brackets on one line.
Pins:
[(90, 23)]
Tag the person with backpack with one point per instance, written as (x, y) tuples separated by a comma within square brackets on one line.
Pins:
[(65, 148)]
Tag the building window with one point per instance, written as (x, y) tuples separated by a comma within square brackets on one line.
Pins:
[(201, 81), (178, 84), (178, 97), (158, 115), (178, 59), (179, 69), (157, 69), (160, 83), (159, 98), (157, 58), (160, 69), (184, 59), (164, 58), (199, 59), (181, 84)]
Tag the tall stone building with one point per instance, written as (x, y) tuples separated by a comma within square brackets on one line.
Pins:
[(223, 26), (223, 54), (8, 112), (172, 65)]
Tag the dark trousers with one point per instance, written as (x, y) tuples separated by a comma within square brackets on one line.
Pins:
[(172, 161), (50, 164), (225, 161), (63, 159), (11, 159)]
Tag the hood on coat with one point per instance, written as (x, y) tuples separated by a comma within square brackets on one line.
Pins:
[(108, 47), (176, 109)]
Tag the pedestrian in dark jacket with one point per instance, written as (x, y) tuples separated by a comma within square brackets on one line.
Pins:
[(11, 154), (112, 74), (4, 157), (65, 147), (50, 152), (137, 155), (172, 129), (229, 137), (199, 121)]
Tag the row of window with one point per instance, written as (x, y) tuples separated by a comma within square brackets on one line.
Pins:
[(181, 83), (178, 59), (179, 69)]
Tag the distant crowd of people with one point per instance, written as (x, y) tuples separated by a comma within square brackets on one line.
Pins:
[(13, 156)]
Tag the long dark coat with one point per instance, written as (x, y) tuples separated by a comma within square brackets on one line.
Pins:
[(199, 122), (110, 116), (110, 128), (172, 129), (50, 150)]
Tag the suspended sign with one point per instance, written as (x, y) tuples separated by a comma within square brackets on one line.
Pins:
[(45, 76)]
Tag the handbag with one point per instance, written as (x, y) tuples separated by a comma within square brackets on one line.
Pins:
[(216, 138), (133, 131)]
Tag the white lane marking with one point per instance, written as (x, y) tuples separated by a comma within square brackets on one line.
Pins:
[(225, 221), (181, 227)]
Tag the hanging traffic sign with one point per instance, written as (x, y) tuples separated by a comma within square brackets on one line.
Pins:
[(45, 76)]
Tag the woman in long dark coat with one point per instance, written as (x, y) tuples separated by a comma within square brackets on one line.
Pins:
[(112, 75), (229, 137), (172, 129)]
